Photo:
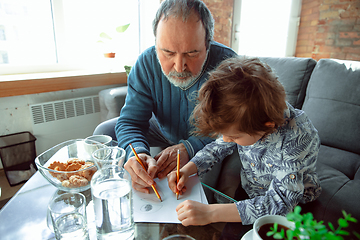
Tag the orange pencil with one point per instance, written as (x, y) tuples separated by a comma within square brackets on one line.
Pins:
[(138, 159), (177, 172)]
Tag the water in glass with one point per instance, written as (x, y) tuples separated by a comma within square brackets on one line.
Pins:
[(113, 209)]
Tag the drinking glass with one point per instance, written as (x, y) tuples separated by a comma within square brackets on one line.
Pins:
[(109, 156), (179, 237), (113, 207), (68, 216), (103, 139)]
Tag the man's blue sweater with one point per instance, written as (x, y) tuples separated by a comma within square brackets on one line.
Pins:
[(149, 91)]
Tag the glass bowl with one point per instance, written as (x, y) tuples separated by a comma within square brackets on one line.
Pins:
[(69, 166)]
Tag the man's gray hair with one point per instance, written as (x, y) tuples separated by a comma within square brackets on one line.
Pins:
[(184, 8)]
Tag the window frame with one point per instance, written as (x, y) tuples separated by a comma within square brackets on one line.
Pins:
[(292, 31), (18, 80), (58, 25)]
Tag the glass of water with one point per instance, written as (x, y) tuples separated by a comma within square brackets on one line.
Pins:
[(68, 216), (112, 198), (109, 156)]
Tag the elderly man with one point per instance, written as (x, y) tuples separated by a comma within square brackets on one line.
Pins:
[(162, 87)]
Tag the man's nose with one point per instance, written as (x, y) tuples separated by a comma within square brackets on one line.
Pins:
[(179, 63)]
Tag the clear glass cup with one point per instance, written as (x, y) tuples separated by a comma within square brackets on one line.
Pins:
[(113, 204), (179, 237), (68, 216), (103, 139), (109, 156)]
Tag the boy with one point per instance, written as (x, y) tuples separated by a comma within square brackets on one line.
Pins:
[(244, 104)]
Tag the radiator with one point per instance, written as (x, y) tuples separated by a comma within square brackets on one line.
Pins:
[(58, 121)]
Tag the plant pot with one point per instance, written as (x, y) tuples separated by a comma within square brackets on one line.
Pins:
[(109, 55)]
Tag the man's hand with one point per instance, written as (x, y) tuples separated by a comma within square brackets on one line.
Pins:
[(141, 178), (166, 159)]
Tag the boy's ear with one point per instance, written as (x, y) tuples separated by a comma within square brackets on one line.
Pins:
[(270, 124)]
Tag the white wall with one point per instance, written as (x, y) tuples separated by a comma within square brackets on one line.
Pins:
[(15, 112)]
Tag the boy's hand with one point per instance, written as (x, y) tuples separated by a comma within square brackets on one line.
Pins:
[(194, 213), (184, 174), (173, 185)]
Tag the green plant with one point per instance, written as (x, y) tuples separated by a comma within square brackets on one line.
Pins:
[(306, 227), (127, 69), (108, 39)]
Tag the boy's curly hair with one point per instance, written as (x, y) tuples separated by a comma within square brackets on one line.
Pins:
[(241, 91)]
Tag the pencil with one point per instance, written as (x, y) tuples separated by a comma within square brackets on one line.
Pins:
[(177, 172), (138, 159)]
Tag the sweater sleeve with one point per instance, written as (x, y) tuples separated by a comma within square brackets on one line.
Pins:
[(212, 153), (295, 181), (134, 118), (194, 144)]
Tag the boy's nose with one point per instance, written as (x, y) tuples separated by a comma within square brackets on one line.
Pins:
[(227, 139)]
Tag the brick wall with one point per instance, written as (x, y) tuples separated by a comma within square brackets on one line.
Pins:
[(222, 12), (329, 29)]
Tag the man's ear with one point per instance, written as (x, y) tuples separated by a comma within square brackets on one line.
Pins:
[(270, 124)]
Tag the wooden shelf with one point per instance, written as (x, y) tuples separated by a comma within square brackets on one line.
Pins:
[(15, 87)]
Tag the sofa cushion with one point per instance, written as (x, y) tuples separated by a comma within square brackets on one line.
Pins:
[(333, 103), (111, 101), (339, 174), (294, 74)]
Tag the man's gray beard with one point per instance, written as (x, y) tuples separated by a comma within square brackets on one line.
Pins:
[(173, 76)]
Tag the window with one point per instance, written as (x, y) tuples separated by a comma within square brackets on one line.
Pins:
[(26, 34), (66, 33), (266, 28)]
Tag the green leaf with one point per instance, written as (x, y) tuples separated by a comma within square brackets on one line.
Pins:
[(293, 217), (331, 226), (319, 226), (308, 217), (276, 227), (127, 69), (343, 223), (121, 29), (332, 237), (297, 210), (351, 219), (104, 35), (356, 234), (278, 236), (342, 232), (322, 231), (289, 234)]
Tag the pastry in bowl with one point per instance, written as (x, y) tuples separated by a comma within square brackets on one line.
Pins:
[(69, 165)]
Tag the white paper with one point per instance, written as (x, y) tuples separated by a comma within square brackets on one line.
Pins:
[(148, 208)]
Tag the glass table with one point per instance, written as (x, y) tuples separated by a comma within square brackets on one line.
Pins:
[(24, 217)]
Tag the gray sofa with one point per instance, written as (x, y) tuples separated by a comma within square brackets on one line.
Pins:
[(329, 92)]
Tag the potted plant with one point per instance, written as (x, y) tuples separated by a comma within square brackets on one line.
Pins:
[(306, 227), (109, 40), (127, 69)]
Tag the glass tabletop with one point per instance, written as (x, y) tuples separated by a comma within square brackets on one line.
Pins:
[(24, 217)]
